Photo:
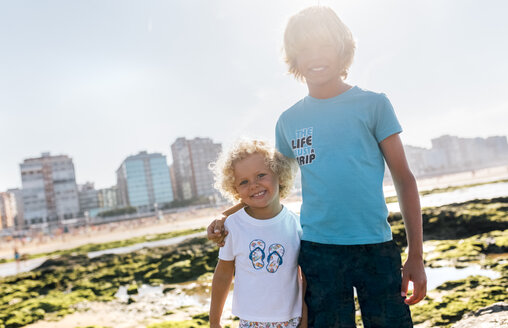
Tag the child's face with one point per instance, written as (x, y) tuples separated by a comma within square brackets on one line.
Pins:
[(256, 184), (319, 63)]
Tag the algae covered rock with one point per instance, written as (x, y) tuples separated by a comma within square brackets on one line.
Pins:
[(457, 298), (493, 316), (456, 221), (132, 289), (462, 252), (60, 283)]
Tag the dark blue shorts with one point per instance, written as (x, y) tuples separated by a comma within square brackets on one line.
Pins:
[(374, 270)]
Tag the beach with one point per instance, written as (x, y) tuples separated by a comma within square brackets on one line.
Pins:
[(196, 218), (118, 231), (452, 252)]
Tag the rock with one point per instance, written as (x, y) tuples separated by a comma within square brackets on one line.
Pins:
[(493, 316)]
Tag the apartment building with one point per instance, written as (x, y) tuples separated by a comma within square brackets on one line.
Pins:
[(50, 193), (191, 160), (143, 180)]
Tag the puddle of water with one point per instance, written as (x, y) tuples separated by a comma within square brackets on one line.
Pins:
[(487, 191), (149, 244), (143, 291), (491, 190), (438, 276), (180, 298), (121, 294), (11, 268)]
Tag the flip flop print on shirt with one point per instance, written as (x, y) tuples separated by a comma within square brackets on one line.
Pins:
[(275, 254), (257, 253)]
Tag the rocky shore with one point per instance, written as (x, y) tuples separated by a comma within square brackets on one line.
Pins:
[(493, 316), (73, 286)]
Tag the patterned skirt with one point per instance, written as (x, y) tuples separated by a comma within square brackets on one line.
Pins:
[(291, 323)]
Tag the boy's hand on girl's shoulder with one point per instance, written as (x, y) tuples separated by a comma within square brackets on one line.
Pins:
[(216, 232), (414, 270)]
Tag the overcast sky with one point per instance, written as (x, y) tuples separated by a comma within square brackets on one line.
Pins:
[(102, 80)]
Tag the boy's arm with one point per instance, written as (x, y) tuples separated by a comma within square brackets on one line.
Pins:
[(221, 282), (407, 193), (215, 231)]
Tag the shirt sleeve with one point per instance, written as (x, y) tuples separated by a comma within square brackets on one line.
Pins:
[(281, 142), (299, 229), (386, 123), (226, 251)]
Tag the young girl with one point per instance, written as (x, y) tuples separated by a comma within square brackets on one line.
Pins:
[(262, 246)]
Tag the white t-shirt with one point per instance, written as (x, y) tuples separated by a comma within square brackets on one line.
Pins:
[(265, 252)]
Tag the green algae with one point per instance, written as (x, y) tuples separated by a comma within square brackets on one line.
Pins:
[(466, 251), (456, 221), (461, 234), (132, 289), (456, 298), (62, 282), (29, 310)]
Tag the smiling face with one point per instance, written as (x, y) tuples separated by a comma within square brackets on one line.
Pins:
[(257, 186), (319, 63), (319, 49)]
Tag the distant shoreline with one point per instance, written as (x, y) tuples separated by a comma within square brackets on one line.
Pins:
[(171, 222), (454, 179)]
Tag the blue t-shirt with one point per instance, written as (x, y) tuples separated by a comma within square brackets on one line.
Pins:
[(336, 143)]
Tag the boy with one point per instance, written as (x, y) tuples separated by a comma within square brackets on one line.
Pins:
[(340, 136)]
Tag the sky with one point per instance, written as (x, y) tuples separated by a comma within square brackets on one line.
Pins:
[(100, 80)]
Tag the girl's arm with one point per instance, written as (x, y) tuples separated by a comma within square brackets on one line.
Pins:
[(221, 282), (409, 200)]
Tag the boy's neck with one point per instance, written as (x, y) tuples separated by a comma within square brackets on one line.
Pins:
[(328, 90)]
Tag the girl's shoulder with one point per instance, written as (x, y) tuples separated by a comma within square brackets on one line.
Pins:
[(292, 215)]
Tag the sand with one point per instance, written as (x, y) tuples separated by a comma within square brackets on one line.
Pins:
[(189, 219)]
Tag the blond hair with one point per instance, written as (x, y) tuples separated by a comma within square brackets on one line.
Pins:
[(283, 167), (322, 24)]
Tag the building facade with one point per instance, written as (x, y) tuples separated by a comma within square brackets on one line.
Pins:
[(108, 197), (50, 193), (8, 211), (88, 197), (450, 154), (19, 220), (191, 160), (143, 180)]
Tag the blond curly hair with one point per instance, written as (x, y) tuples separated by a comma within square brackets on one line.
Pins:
[(283, 167)]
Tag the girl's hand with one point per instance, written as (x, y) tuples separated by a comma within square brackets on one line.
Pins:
[(215, 325)]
